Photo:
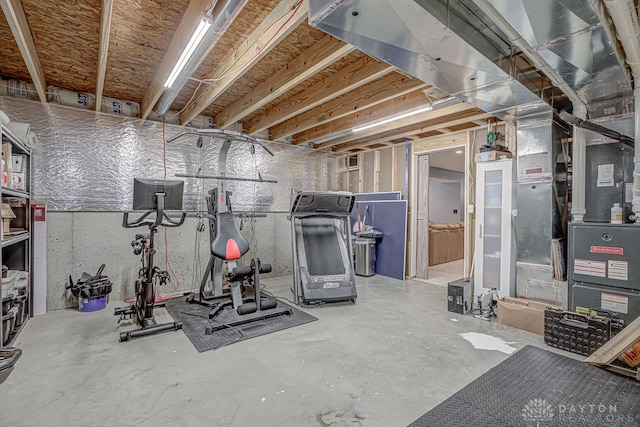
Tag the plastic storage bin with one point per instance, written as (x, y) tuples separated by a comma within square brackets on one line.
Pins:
[(92, 304), (8, 321), (9, 281), (7, 303), (20, 302), (8, 358)]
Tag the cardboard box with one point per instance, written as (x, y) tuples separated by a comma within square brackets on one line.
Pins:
[(17, 181), (17, 162), (522, 314), (7, 216), (488, 156), (6, 164)]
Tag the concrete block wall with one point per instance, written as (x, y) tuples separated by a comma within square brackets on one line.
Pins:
[(81, 241)]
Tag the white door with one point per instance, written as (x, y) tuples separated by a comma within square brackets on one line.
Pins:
[(493, 246)]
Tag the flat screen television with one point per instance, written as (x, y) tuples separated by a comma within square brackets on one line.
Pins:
[(145, 190)]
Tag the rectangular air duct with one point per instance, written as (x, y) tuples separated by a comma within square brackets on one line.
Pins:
[(466, 48)]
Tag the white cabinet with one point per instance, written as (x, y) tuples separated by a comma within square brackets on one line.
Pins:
[(495, 237), (15, 236)]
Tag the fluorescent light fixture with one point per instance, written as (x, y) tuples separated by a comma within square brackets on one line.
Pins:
[(393, 119), (458, 151), (196, 38)]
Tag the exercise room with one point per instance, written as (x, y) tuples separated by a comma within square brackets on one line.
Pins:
[(319, 213)]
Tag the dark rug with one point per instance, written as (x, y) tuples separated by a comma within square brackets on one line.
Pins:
[(535, 387), (195, 320)]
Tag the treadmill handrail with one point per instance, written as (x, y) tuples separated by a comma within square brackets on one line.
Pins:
[(337, 215)]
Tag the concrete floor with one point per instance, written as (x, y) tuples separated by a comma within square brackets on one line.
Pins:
[(381, 362), (443, 274)]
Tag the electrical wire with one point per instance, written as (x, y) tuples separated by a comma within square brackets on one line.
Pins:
[(159, 297), (229, 72)]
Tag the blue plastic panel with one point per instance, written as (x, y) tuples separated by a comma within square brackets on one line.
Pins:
[(389, 217)]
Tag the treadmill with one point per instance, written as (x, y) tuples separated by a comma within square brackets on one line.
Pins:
[(322, 252)]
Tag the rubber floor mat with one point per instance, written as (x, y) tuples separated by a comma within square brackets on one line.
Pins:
[(535, 387), (195, 319)]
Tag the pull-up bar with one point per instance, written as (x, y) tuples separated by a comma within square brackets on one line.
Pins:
[(223, 134), (227, 178)]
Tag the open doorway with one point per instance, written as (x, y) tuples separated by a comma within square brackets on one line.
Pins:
[(439, 215)]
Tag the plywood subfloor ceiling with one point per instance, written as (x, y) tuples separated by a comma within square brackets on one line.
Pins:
[(267, 70)]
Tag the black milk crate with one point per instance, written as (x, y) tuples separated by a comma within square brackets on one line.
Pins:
[(574, 332)]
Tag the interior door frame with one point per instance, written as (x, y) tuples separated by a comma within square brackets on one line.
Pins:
[(414, 199)]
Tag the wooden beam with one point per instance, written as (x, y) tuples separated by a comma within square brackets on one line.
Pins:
[(322, 54), (430, 115), (610, 351), (480, 122), (14, 13), (384, 89), (429, 126), (283, 19), (397, 105), (354, 75), (181, 37), (103, 50), (444, 130)]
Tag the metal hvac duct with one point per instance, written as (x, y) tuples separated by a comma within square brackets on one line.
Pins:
[(424, 39), (574, 38), (571, 41), (467, 56)]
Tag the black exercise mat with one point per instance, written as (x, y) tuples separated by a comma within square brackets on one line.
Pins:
[(535, 387), (195, 319)]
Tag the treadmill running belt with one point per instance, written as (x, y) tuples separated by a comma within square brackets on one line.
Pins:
[(322, 247)]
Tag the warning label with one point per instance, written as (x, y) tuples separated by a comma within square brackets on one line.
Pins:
[(613, 302), (618, 270), (611, 250), (590, 268)]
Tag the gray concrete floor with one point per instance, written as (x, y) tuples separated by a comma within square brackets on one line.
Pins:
[(443, 274), (381, 362)]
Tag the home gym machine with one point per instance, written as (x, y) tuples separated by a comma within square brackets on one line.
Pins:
[(155, 196), (322, 251), (228, 245)]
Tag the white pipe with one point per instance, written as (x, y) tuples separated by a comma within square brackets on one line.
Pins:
[(625, 19), (635, 201), (578, 209)]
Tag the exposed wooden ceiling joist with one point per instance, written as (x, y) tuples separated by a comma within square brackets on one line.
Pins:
[(397, 105), (283, 19), (411, 125), (358, 73), (319, 56), (180, 39), (103, 50), (429, 126), (14, 13), (377, 92)]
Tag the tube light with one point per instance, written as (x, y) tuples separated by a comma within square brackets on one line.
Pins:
[(393, 119), (196, 38)]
